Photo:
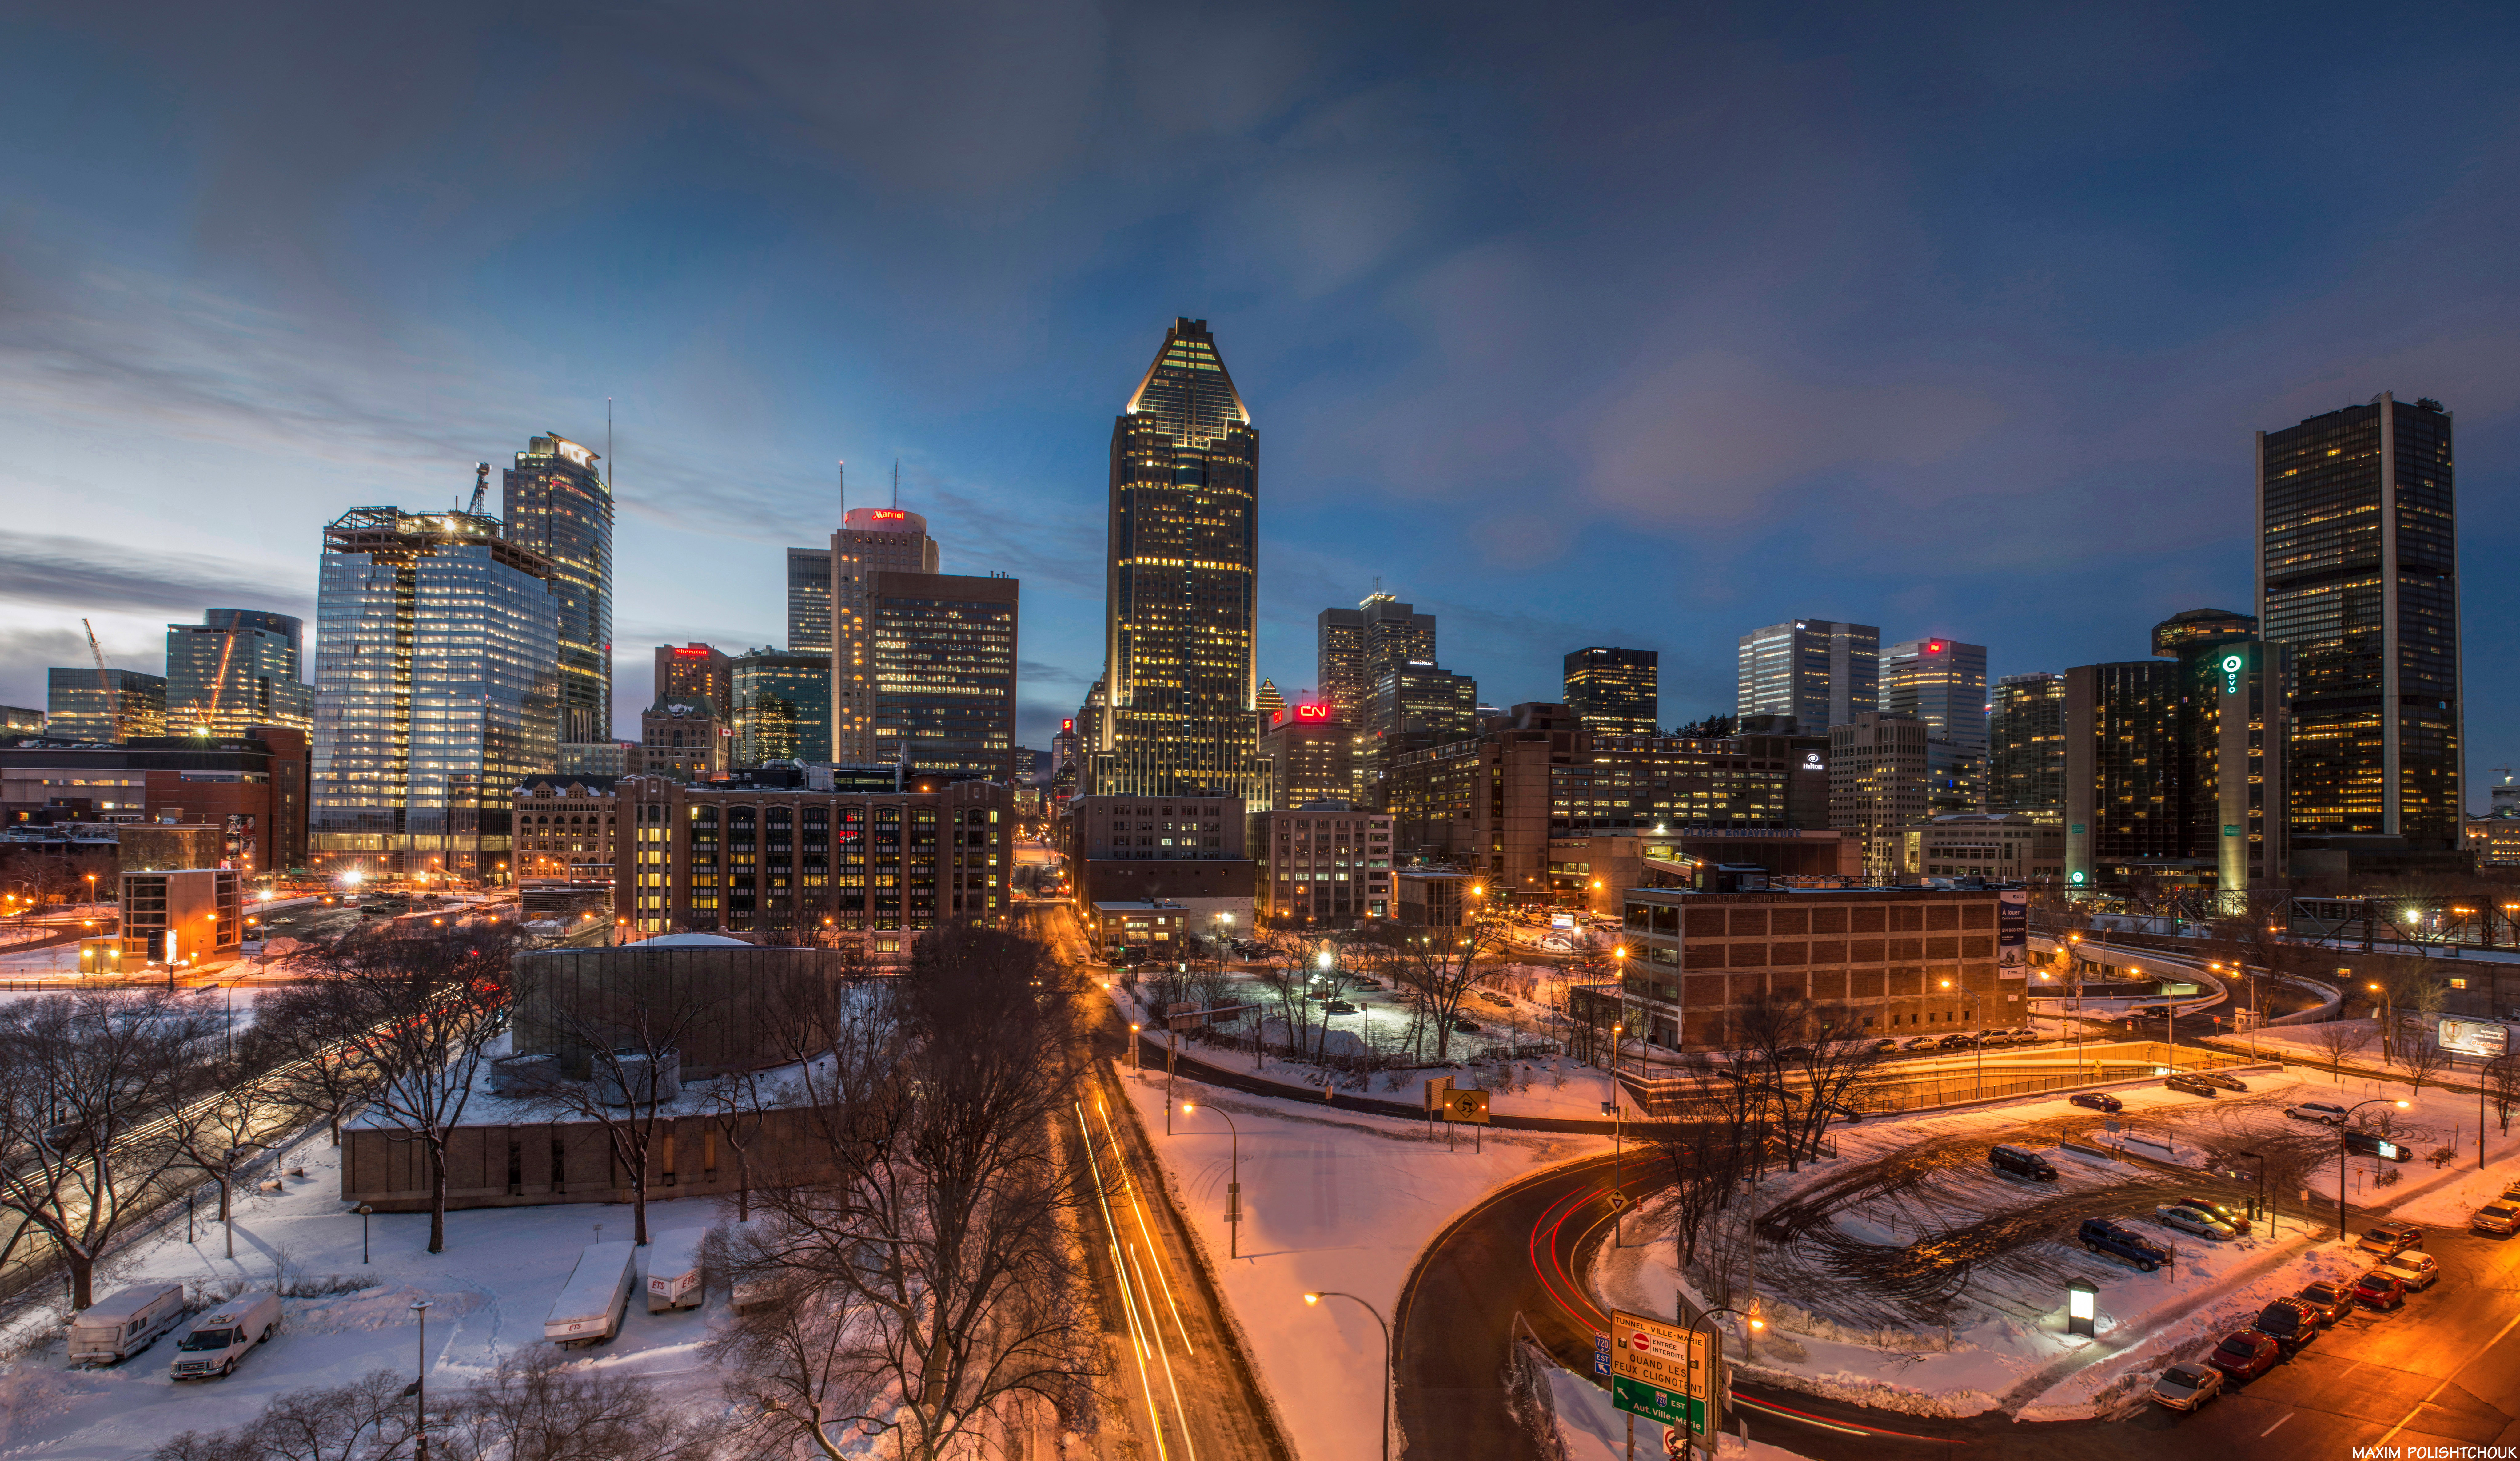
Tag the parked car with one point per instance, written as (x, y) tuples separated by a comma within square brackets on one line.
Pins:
[(1918, 1043), (1958, 1042), (2191, 1084), (222, 1337), (1338, 1007), (2329, 1300), (1464, 1027), (2185, 1387), (2097, 1100), (2498, 1217), (2373, 1144), (2189, 1219), (2377, 1289), (2020, 1163), (2101, 1235), (2290, 1323), (2317, 1111), (2511, 1192), (2413, 1267), (1793, 1052), (2391, 1236), (2231, 1218), (2245, 1355), (2218, 1079)]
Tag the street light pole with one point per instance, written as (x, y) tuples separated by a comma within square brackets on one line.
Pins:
[(1386, 1358), (420, 1382), (2342, 1156), (1232, 1183)]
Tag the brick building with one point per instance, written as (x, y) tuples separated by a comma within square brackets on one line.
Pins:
[(253, 788), (564, 828), (1906, 960), (1321, 865)]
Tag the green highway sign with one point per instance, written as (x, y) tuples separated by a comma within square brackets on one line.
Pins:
[(1665, 1373)]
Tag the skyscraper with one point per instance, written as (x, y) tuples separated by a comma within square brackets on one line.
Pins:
[(78, 707), (1615, 691), (809, 601), (558, 504), (437, 688), (1179, 609), (2026, 746), (237, 668), (2358, 576), (943, 667), (1819, 671), (1942, 683), (1358, 647), (871, 541), (698, 672), (782, 704)]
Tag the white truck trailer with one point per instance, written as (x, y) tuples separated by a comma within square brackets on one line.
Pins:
[(591, 1304), (674, 1269), (222, 1335), (124, 1323)]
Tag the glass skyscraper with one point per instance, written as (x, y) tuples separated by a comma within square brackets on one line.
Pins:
[(437, 688), (809, 605), (558, 504), (1182, 598), (2358, 577), (78, 707), (944, 671), (870, 542), (2026, 746), (237, 668), (1817, 671), (783, 706)]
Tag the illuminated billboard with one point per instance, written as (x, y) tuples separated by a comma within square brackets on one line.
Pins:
[(2483, 1038)]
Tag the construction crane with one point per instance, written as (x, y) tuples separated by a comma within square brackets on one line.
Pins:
[(481, 486), (105, 683)]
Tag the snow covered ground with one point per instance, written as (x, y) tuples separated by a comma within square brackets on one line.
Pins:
[(1334, 1201), (487, 1292), (1593, 1432)]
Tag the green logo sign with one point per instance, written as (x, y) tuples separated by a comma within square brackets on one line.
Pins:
[(2233, 664), (2075, 879)]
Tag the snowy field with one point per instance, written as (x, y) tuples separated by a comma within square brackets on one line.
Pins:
[(1334, 1201), (487, 1292), (1855, 1313)]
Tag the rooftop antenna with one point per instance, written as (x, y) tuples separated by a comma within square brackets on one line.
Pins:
[(896, 481), (844, 491), (607, 446)]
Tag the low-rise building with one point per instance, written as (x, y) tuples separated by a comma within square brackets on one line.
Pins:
[(1902, 961), (1126, 929), (181, 916), (1434, 897), (2496, 839), (684, 739), (1322, 865), (2009, 846), (564, 828), (793, 865), (1172, 849), (253, 788)]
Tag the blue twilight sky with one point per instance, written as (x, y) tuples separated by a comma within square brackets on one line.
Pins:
[(1573, 324)]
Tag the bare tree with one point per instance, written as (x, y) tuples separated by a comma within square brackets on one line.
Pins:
[(929, 1287), (627, 1037), (2424, 1059), (2339, 1039), (1440, 969), (418, 1007), (220, 1131), (738, 1104), (92, 1084), (1708, 1143), (314, 1066), (534, 1407), (366, 1420), (2502, 1083)]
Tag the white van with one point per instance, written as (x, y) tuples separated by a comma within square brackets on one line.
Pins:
[(591, 1304), (124, 1323), (220, 1338), (674, 1269)]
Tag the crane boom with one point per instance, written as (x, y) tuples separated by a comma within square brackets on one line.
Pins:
[(105, 683), (481, 486)]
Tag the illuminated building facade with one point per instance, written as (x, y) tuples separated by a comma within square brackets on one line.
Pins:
[(1309, 752), (782, 702), (2026, 746), (809, 601), (943, 661), (555, 503), (1615, 691), (1182, 600), (1819, 671), (871, 541), (696, 673), (437, 688), (1878, 771), (1942, 683), (78, 707), (1321, 864), (237, 668), (2358, 577), (683, 739), (1358, 647), (565, 827)]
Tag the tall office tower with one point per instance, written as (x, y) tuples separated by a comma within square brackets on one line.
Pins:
[(1615, 691), (1267, 706), (437, 688), (782, 703), (1339, 660), (1181, 608), (2234, 716), (698, 672), (2026, 746), (943, 668), (1819, 671), (871, 541), (558, 504), (237, 668), (809, 601), (1308, 751), (2358, 576), (1358, 647), (76, 706), (1942, 683), (1877, 772)]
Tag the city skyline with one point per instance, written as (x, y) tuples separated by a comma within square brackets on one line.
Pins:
[(2041, 410)]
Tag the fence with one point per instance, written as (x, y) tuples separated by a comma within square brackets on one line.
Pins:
[(1892, 1088)]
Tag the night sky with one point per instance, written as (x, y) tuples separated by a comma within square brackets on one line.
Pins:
[(1571, 324)]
